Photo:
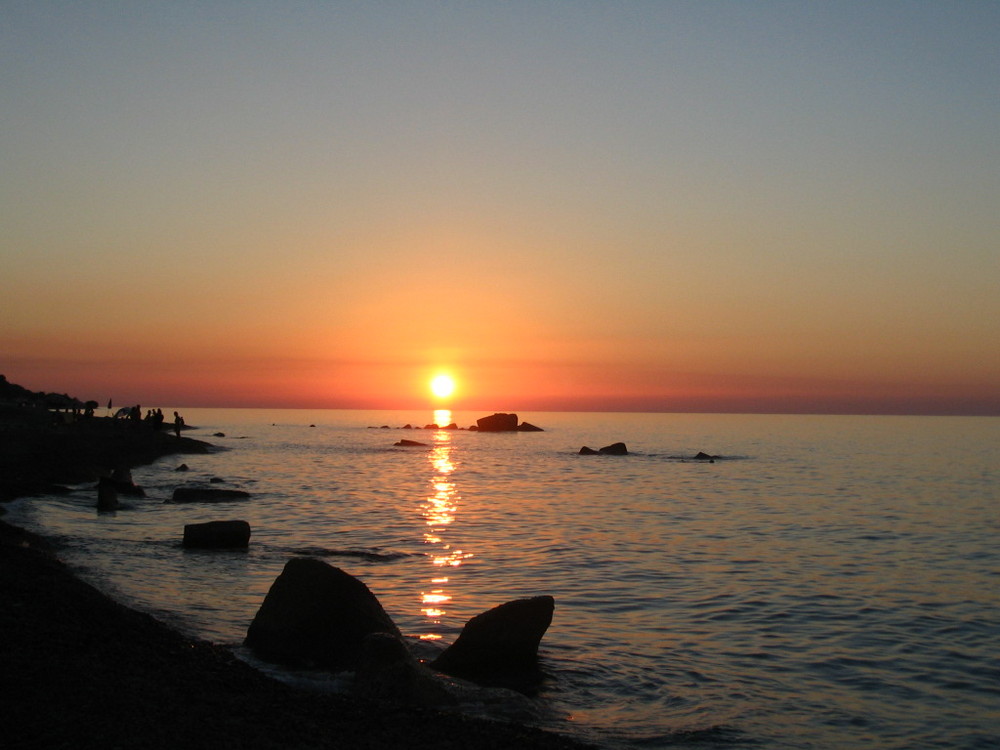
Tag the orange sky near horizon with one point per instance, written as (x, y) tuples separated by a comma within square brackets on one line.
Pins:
[(659, 207)]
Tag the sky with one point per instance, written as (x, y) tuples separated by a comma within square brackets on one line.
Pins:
[(587, 206)]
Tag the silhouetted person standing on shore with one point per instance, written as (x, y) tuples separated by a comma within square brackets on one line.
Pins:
[(178, 424)]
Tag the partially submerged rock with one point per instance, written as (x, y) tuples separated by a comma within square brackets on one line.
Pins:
[(497, 423), (317, 615), (503, 423), (615, 449), (217, 535), (107, 494), (500, 646), (409, 444), (122, 477), (207, 495)]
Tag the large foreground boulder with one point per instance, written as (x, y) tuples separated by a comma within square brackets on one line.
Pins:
[(217, 535), (500, 646), (497, 423), (207, 495), (316, 615)]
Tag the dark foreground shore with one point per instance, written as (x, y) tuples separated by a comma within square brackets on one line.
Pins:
[(83, 671)]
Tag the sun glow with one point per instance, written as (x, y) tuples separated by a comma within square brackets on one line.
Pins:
[(442, 385)]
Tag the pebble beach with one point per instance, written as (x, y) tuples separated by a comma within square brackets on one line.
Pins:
[(85, 671)]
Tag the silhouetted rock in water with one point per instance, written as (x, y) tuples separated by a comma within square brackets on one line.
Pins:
[(182, 467), (430, 426), (387, 671), (615, 449), (216, 480), (407, 426), (451, 426), (122, 478), (218, 434), (217, 535), (502, 423), (409, 443), (497, 423), (207, 495), (317, 615), (704, 457), (500, 646), (107, 494)]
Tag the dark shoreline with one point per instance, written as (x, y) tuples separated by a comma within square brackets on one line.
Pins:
[(87, 672)]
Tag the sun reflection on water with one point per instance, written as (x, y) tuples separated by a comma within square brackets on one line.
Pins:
[(439, 510)]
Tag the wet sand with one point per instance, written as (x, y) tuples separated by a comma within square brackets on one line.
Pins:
[(83, 671)]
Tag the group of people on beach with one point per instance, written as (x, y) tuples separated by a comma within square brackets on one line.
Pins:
[(154, 418)]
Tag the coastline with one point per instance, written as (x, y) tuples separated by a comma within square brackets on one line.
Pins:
[(86, 671)]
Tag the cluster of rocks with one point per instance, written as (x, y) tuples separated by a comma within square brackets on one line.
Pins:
[(504, 423), (317, 615), (230, 534), (620, 449), (499, 422)]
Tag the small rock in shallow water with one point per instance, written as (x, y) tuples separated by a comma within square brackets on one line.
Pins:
[(217, 535), (206, 495)]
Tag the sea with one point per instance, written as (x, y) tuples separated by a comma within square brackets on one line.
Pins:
[(823, 582)]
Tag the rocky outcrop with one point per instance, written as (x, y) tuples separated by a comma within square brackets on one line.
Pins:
[(207, 495), (497, 423), (316, 615), (503, 423), (409, 444), (615, 449), (217, 535), (701, 456), (500, 646)]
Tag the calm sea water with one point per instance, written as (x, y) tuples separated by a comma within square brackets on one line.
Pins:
[(830, 582)]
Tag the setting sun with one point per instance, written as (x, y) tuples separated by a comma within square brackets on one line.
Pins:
[(443, 386)]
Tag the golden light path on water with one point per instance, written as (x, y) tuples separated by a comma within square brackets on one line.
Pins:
[(439, 511)]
